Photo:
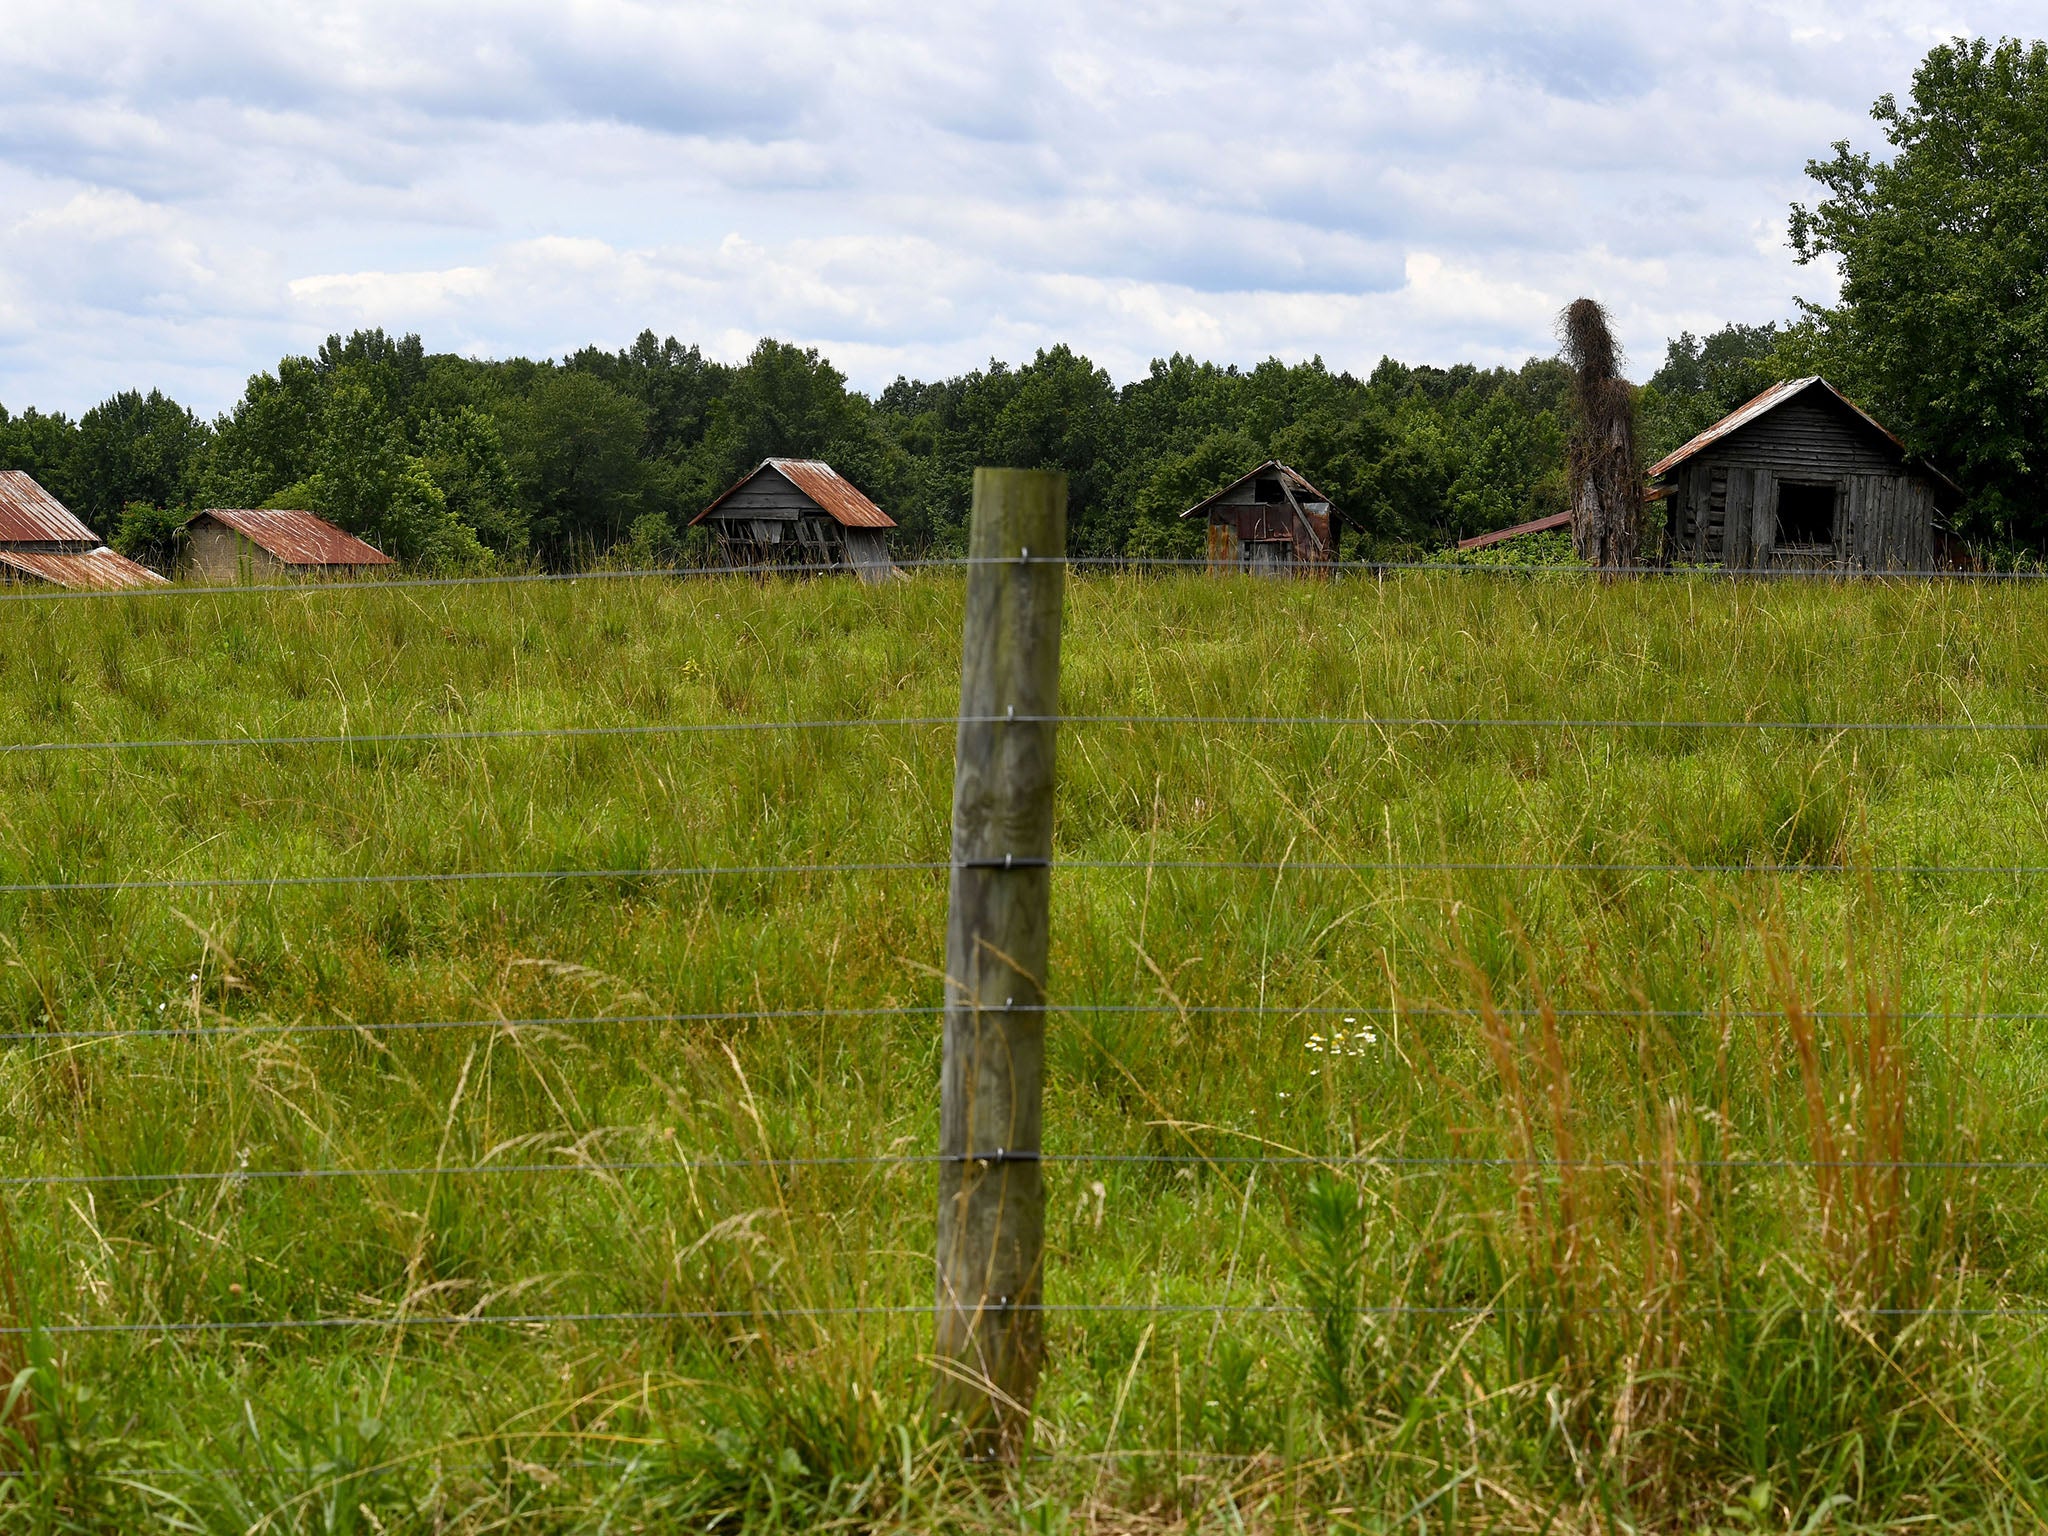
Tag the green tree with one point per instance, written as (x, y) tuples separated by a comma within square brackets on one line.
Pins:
[(1701, 381), (152, 534), (464, 455), (43, 447), (268, 441), (578, 463), (1942, 323), (134, 447)]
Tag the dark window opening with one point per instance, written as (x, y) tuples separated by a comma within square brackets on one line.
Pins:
[(1268, 492), (1806, 514)]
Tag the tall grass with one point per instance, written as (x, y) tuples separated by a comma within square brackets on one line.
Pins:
[(1605, 1219)]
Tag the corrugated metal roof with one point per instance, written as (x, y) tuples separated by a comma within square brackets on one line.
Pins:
[(1271, 464), (1540, 525), (31, 515), (1769, 400), (95, 570), (832, 491), (296, 538)]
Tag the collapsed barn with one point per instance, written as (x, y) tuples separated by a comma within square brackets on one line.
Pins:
[(1270, 520), (42, 541), (1801, 477), (798, 512)]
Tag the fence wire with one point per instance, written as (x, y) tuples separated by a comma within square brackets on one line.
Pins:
[(757, 1315), (685, 1164), (689, 1165), (663, 728), (1398, 1012), (1109, 564), (655, 872)]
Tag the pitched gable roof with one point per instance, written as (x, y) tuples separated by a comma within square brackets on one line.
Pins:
[(1783, 393), (295, 538), (833, 492), (31, 515), (1269, 467)]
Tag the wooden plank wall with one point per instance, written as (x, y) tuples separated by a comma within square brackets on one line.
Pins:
[(1725, 503), (769, 497)]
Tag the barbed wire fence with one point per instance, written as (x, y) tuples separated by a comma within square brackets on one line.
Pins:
[(994, 1324)]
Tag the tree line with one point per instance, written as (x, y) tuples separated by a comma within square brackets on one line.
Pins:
[(450, 462)]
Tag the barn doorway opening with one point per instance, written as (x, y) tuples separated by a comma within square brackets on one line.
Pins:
[(1806, 516)]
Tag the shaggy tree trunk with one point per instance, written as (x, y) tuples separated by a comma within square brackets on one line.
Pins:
[(1607, 494), (1606, 501)]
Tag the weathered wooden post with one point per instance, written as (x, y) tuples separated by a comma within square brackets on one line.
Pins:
[(991, 1336)]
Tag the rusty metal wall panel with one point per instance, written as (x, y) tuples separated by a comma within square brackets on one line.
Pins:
[(1222, 545)]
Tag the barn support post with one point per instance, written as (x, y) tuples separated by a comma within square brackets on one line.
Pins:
[(991, 1225)]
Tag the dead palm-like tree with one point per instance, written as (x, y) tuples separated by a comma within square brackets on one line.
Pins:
[(1607, 493)]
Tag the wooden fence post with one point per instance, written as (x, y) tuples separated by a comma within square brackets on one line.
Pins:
[(991, 1189)]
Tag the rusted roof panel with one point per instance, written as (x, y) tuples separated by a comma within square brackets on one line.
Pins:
[(296, 538), (31, 515), (1540, 525), (98, 570), (1769, 400), (832, 491), (1295, 475)]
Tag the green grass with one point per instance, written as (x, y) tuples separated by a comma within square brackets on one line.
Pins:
[(1674, 1345)]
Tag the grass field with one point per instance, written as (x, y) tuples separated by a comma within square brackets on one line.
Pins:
[(1714, 1334)]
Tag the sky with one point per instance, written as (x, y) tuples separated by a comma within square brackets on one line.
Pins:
[(190, 191)]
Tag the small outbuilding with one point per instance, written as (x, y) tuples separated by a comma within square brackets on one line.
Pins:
[(1802, 477), (42, 541), (1270, 520), (799, 512), (226, 545)]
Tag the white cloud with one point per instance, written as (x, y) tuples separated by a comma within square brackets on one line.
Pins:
[(197, 189)]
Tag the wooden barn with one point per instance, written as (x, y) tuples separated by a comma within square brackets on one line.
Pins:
[(800, 512), (43, 542), (227, 545), (1801, 477), (1270, 520)]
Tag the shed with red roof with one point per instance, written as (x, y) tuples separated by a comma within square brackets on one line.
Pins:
[(225, 545), (42, 541)]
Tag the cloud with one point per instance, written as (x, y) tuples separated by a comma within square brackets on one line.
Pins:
[(911, 187)]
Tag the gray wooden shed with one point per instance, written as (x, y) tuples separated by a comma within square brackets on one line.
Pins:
[(799, 512), (1801, 477)]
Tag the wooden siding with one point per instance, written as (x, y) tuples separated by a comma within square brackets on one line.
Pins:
[(768, 498), (1724, 504), (769, 522), (1807, 439)]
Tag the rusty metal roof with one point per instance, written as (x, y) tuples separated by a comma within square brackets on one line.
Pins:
[(296, 538), (1540, 525), (31, 515), (833, 492), (95, 570), (1271, 464), (1777, 395)]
